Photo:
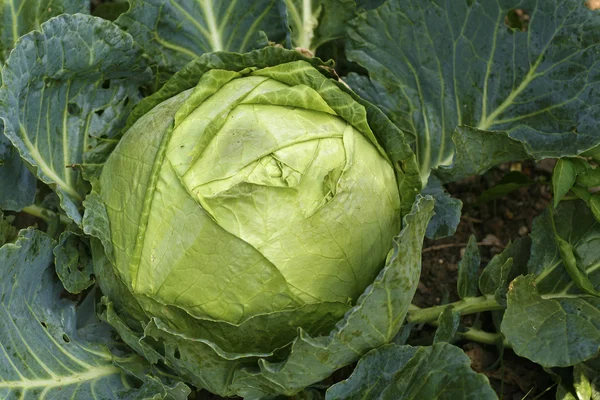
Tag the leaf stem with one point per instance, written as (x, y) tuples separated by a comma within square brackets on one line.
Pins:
[(45, 214), (468, 305), (480, 336)]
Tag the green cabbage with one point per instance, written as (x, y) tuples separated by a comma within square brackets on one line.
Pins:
[(243, 207)]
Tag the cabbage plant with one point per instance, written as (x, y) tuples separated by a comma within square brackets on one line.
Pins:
[(232, 196)]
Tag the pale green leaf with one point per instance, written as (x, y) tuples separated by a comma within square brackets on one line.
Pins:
[(364, 327)]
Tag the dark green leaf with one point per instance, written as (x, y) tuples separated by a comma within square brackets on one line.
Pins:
[(447, 326), (438, 64), (46, 351), (468, 269), (477, 151), (110, 10), (556, 330), (65, 88), (576, 224), (509, 183), (393, 372), (594, 204), (73, 262), (174, 33), (325, 21), (504, 267), (447, 210), (19, 17), (578, 275), (7, 231), (589, 178), (17, 183), (563, 178)]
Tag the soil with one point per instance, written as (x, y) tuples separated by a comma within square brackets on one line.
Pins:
[(494, 224)]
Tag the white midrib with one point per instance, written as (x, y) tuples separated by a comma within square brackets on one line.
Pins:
[(487, 122), (215, 35), (307, 24), (89, 375), (41, 163)]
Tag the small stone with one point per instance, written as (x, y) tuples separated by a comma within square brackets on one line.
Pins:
[(523, 230)]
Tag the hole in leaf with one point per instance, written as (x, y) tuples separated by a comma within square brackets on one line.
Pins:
[(73, 109), (517, 19), (99, 112), (66, 338), (106, 84), (177, 354), (593, 4), (126, 101), (44, 324)]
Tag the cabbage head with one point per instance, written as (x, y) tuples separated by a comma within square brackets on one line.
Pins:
[(250, 203)]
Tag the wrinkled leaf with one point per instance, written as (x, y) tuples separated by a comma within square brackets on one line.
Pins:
[(447, 210), (67, 88), (7, 231), (364, 326), (73, 262), (393, 372)]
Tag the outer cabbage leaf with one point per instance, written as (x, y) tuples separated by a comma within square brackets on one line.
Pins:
[(549, 319), (66, 90), (316, 22), (398, 373), (22, 16), (438, 64), (175, 32), (51, 349), (18, 18)]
